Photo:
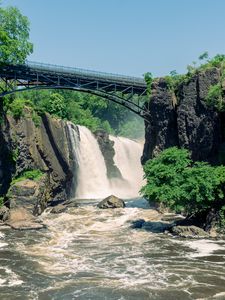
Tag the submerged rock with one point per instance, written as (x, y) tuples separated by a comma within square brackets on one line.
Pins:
[(189, 231), (58, 209), (111, 202), (62, 207), (137, 224)]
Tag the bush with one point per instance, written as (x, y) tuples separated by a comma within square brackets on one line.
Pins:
[(29, 174), (178, 183), (17, 107), (214, 97)]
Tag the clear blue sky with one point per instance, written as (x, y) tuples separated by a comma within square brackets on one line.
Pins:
[(124, 36)]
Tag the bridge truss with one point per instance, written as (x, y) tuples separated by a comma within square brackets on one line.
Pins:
[(130, 92)]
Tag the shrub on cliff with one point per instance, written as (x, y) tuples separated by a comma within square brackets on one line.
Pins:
[(178, 183), (214, 97)]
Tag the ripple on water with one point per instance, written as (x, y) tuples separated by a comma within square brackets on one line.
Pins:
[(9, 278)]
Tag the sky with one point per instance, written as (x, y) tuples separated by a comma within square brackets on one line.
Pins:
[(128, 37)]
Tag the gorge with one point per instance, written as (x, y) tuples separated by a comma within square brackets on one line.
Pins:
[(59, 171)]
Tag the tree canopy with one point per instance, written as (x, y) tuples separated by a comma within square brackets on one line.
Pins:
[(14, 36)]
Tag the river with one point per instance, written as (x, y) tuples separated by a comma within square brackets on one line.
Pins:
[(88, 253)]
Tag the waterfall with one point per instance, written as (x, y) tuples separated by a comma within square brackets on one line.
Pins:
[(127, 159), (92, 181)]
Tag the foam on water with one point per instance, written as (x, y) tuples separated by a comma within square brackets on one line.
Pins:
[(90, 250), (203, 247), (9, 278)]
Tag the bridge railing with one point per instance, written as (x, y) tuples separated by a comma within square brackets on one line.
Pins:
[(86, 73)]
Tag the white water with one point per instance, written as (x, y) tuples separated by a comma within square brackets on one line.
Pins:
[(127, 159), (92, 181)]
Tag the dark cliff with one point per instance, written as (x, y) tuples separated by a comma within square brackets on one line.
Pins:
[(183, 119), (24, 146)]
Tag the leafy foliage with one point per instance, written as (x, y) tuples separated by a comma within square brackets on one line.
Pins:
[(14, 36), (1, 201), (87, 110), (214, 97), (29, 174), (148, 79), (174, 180)]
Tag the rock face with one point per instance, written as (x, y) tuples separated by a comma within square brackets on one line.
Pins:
[(24, 146), (111, 202), (108, 152), (161, 130), (190, 123), (198, 126)]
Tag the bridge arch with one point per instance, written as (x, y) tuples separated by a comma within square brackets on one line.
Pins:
[(127, 91)]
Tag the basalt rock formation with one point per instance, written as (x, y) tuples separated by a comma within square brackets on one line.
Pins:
[(183, 119), (46, 147), (108, 152)]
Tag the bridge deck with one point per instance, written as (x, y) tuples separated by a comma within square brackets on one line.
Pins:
[(47, 73)]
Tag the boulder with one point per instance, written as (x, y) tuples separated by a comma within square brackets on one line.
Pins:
[(137, 224), (4, 213), (70, 203), (22, 219), (189, 232), (29, 194), (58, 209), (111, 202)]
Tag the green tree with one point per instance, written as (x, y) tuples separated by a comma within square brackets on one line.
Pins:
[(174, 180), (148, 79), (14, 36)]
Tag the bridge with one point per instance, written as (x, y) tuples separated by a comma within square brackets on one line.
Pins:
[(131, 92)]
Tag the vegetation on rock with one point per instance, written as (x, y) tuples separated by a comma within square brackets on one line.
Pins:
[(29, 174), (214, 97), (174, 180)]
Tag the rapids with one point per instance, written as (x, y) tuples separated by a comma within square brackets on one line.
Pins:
[(88, 253)]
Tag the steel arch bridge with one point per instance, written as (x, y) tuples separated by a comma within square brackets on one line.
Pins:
[(131, 92)]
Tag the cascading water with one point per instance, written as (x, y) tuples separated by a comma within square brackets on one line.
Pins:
[(92, 181), (127, 159)]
